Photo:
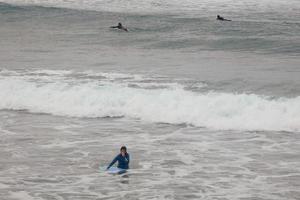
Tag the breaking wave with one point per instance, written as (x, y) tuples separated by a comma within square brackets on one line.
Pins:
[(92, 95)]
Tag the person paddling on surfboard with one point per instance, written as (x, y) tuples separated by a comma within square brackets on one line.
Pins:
[(122, 158), (120, 26), (222, 18)]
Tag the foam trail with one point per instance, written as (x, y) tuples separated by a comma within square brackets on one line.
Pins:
[(67, 96)]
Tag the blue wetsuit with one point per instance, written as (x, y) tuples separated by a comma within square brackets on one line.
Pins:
[(122, 161)]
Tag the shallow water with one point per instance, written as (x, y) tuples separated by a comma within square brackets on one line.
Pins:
[(46, 157)]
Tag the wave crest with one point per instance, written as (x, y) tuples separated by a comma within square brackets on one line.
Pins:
[(67, 94)]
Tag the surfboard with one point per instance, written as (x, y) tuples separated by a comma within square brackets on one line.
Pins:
[(116, 170)]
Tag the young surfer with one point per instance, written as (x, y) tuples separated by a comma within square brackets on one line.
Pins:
[(122, 158)]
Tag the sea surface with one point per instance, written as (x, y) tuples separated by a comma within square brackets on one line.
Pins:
[(207, 109)]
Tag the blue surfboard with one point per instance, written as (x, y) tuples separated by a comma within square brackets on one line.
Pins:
[(116, 170)]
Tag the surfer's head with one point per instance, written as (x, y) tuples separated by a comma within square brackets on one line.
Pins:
[(119, 24), (123, 150)]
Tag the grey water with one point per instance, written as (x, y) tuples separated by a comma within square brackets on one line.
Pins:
[(207, 109)]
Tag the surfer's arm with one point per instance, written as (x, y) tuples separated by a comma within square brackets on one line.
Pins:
[(127, 159), (113, 27), (113, 162)]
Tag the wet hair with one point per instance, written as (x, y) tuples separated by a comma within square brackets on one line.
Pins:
[(123, 148)]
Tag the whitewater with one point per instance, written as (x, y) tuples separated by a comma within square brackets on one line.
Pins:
[(207, 109), (103, 95)]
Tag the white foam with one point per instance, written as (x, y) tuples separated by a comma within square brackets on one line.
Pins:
[(175, 105), (22, 195), (159, 6), (3, 186), (50, 72)]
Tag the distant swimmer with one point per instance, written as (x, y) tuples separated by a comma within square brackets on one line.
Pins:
[(122, 158), (222, 18), (120, 26)]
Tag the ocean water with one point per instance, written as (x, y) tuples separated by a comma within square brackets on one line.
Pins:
[(208, 109)]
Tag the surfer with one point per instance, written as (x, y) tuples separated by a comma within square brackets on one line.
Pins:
[(120, 26), (122, 158), (222, 18)]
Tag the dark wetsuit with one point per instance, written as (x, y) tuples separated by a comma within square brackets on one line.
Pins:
[(120, 26), (123, 162), (222, 18)]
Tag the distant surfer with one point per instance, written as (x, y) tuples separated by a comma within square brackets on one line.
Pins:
[(122, 158), (222, 18), (120, 26)]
